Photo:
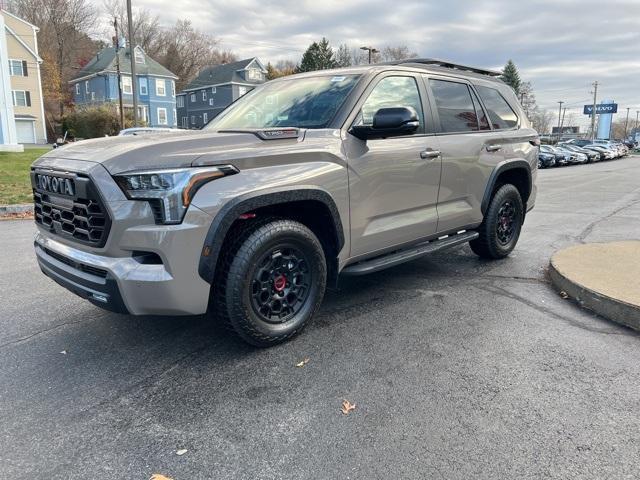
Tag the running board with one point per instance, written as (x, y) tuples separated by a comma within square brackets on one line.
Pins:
[(401, 256)]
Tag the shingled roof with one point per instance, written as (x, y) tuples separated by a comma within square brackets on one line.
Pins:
[(221, 74), (105, 60)]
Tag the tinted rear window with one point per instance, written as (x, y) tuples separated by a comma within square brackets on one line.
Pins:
[(500, 113), (455, 107)]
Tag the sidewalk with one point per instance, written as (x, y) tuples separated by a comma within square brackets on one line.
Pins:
[(603, 277)]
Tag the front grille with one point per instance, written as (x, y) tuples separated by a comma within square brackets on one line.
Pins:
[(98, 272), (81, 217)]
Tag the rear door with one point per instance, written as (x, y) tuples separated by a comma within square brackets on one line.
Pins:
[(469, 148), (393, 182)]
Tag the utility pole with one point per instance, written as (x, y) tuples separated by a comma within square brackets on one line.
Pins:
[(134, 79), (626, 122), (637, 112), (593, 112), (115, 25), (559, 118), (371, 51)]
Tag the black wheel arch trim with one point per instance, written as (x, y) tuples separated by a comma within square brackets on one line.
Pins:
[(248, 202), (502, 167)]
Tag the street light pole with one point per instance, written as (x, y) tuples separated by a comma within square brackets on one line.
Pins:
[(593, 112), (134, 79), (559, 118), (371, 51), (626, 122), (115, 25)]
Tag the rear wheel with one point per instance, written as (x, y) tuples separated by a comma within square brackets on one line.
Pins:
[(273, 282), (501, 226)]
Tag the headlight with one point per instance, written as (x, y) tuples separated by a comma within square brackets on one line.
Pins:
[(169, 191)]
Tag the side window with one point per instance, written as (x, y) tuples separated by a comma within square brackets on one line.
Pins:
[(392, 92), (455, 106), (482, 118), (500, 113)]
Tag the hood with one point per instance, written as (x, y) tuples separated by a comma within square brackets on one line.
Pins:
[(172, 150)]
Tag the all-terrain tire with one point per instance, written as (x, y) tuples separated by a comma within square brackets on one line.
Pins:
[(506, 207), (290, 251)]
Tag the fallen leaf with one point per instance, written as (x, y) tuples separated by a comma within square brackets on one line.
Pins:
[(181, 452), (159, 476), (347, 406), (564, 295), (302, 363), (63, 352)]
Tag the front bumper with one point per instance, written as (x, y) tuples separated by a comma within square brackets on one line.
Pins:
[(127, 285)]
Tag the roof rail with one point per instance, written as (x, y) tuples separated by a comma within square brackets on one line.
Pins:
[(445, 64)]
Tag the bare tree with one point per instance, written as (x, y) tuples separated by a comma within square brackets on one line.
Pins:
[(147, 31), (63, 37), (542, 121), (396, 54), (343, 56)]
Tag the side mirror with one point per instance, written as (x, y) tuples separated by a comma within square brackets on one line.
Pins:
[(388, 122)]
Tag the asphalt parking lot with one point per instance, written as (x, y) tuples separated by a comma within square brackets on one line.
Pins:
[(458, 368)]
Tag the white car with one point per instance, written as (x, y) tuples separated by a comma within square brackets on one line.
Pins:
[(145, 130)]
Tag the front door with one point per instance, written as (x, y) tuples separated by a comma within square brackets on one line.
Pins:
[(393, 182)]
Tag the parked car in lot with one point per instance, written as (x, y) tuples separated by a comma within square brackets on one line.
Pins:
[(605, 153), (574, 157), (562, 158), (546, 159), (307, 177), (590, 154)]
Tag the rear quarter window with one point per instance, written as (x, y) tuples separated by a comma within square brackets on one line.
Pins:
[(500, 112)]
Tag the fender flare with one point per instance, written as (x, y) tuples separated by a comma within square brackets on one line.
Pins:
[(230, 212), (502, 167)]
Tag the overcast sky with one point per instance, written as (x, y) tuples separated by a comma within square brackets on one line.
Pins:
[(561, 46)]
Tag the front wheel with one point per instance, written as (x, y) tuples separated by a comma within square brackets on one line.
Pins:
[(500, 229), (274, 284)]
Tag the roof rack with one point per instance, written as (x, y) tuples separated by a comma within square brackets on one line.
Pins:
[(445, 64)]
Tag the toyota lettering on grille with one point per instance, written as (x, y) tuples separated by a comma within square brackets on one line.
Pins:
[(59, 185)]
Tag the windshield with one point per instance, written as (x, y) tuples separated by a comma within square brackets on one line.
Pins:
[(300, 102)]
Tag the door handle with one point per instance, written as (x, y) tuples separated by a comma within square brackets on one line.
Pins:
[(493, 148), (426, 154)]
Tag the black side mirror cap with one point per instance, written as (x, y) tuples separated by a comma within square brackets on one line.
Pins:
[(388, 122)]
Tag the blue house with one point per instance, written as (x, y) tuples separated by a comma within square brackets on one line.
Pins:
[(97, 84), (215, 88)]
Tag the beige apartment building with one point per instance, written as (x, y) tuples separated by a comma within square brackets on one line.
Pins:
[(23, 63)]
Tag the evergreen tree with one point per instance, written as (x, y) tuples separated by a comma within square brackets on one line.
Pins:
[(319, 56), (511, 77), (343, 56)]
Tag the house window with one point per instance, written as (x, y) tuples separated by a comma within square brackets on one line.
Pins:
[(93, 96), (127, 87), (211, 102), (193, 119), (142, 113), (160, 87), (242, 91), (144, 90), (173, 88), (18, 68), (139, 56), (162, 116), (255, 74), (21, 98), (180, 101), (205, 117), (213, 90), (77, 89), (175, 117), (193, 97), (86, 86), (185, 122), (204, 95)]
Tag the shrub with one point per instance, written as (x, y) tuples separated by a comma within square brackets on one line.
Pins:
[(95, 121)]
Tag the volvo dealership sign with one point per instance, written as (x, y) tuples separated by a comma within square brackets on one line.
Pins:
[(601, 108)]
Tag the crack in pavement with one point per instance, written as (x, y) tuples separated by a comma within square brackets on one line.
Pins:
[(492, 288), (589, 228)]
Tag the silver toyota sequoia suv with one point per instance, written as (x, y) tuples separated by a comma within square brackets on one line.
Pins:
[(304, 178)]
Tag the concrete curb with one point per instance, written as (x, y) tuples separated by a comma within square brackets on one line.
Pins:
[(6, 210), (608, 307)]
